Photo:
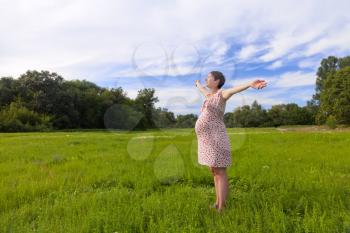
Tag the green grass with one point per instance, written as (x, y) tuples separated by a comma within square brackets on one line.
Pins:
[(104, 181)]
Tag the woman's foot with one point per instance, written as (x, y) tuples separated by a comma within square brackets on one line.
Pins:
[(220, 210), (213, 206)]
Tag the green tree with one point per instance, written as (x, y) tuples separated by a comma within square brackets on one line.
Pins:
[(331, 122), (186, 121), (328, 67), (335, 99), (43, 92), (241, 116), (275, 114), (163, 118), (228, 120), (16, 117), (7, 90), (311, 110), (258, 115), (144, 102)]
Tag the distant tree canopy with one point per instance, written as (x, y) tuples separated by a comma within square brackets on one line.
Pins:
[(335, 98), (333, 90), (328, 67), (15, 117), (282, 114), (45, 101)]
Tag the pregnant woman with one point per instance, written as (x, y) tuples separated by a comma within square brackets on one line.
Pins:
[(213, 142)]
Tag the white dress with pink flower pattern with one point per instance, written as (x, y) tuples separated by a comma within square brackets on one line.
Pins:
[(213, 141)]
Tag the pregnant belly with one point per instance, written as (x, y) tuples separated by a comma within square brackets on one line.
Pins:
[(201, 126), (209, 125)]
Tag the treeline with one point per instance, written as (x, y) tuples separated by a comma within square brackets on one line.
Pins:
[(332, 95), (282, 114), (329, 105), (38, 101), (45, 101)]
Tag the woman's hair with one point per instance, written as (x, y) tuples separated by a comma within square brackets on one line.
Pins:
[(218, 75)]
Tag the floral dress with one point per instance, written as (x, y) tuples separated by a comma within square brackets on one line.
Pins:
[(213, 141)]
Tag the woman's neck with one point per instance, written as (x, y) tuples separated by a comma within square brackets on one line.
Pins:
[(214, 90)]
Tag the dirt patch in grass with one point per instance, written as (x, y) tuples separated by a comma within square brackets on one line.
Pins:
[(312, 128)]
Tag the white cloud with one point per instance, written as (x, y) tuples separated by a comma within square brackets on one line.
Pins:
[(101, 41), (275, 65), (247, 98), (295, 79), (309, 63), (336, 40), (180, 99), (184, 99), (284, 42), (68, 36), (248, 52), (270, 80), (60, 35)]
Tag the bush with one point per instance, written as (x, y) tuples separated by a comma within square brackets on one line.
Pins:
[(331, 122), (15, 118)]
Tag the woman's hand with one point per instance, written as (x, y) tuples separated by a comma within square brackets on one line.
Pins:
[(197, 82), (201, 88), (258, 84)]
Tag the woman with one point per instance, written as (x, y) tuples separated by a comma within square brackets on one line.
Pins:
[(213, 143)]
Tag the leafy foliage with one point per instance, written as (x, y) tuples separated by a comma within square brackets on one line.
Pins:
[(15, 117)]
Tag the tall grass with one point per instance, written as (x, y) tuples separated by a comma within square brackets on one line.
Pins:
[(150, 181)]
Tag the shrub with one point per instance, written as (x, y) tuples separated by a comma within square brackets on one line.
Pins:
[(331, 122), (15, 117)]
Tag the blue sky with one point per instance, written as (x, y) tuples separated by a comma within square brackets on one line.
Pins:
[(167, 45)]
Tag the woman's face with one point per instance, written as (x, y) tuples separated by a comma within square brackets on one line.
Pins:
[(211, 82)]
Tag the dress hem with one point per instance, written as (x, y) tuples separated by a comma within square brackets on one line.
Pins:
[(210, 165)]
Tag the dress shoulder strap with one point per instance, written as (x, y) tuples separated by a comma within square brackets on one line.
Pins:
[(219, 93), (219, 96)]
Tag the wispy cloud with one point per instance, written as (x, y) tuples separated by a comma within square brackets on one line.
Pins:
[(275, 65), (180, 41), (295, 79)]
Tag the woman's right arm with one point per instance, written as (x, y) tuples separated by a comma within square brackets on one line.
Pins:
[(256, 84), (202, 89)]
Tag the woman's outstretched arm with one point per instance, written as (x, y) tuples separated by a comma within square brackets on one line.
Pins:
[(256, 84), (202, 89)]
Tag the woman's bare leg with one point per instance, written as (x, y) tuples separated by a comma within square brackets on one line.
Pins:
[(223, 186), (216, 180), (216, 184)]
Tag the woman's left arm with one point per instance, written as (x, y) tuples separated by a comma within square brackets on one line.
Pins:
[(256, 84)]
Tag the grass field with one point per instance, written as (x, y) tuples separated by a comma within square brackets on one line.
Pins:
[(104, 181)]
